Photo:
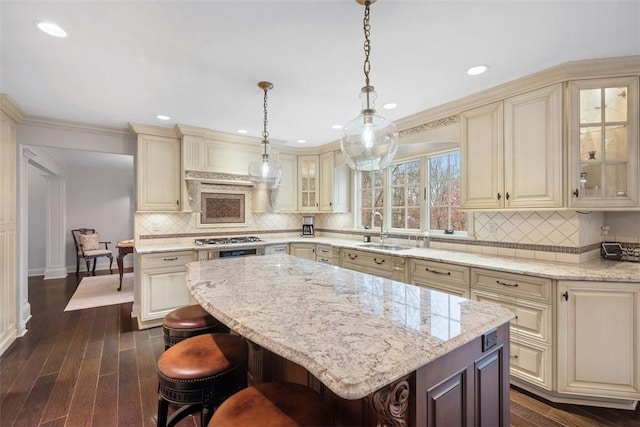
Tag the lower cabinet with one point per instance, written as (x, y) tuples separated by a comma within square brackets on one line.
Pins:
[(440, 276), (599, 339), (327, 254), (382, 265), (303, 250), (530, 299), (162, 285)]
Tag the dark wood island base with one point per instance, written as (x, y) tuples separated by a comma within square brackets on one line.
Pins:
[(468, 386)]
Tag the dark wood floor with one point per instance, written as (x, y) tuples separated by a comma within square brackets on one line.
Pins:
[(93, 368)]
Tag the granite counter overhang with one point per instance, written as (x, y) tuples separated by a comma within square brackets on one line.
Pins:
[(594, 270), (355, 332)]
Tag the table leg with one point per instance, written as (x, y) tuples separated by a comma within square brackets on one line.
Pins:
[(120, 267)]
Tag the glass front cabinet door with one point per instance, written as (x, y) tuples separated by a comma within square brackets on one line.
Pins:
[(603, 134)]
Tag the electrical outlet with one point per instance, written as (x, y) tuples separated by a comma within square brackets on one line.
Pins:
[(156, 226), (493, 229)]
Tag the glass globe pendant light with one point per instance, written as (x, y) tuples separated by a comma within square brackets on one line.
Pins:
[(369, 141), (265, 173)]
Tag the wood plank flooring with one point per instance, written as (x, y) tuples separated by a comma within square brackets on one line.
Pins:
[(94, 368)]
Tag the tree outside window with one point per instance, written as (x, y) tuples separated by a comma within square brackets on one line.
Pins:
[(444, 193), (405, 195), (371, 196)]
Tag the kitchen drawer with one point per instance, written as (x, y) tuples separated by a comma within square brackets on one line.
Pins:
[(517, 285), (324, 251), (368, 259), (531, 362), (439, 272), (167, 259), (533, 319)]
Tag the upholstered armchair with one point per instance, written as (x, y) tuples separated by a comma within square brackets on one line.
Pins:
[(88, 246)]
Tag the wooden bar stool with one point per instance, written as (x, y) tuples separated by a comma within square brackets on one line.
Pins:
[(273, 404), (189, 321), (198, 373)]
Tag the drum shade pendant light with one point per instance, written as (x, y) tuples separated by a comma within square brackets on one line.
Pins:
[(265, 173), (369, 141)]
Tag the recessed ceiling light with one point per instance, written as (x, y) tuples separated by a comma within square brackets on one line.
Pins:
[(336, 127), (51, 29), (162, 117), (478, 69), (390, 106), (301, 141), (241, 131)]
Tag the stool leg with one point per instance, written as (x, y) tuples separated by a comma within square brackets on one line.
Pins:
[(205, 415), (163, 410)]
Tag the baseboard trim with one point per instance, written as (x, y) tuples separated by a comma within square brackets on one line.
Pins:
[(601, 402)]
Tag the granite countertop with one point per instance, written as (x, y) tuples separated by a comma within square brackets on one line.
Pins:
[(594, 270), (355, 332)]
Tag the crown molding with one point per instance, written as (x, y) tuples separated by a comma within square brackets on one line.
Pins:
[(74, 126), (10, 108)]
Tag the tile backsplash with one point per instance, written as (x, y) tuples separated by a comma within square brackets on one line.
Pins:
[(565, 236)]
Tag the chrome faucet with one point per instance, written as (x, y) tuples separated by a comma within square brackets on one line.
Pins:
[(383, 235)]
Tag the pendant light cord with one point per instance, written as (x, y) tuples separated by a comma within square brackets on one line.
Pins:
[(367, 47), (265, 133)]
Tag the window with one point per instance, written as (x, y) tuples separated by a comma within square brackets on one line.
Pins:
[(371, 196), (444, 193), (405, 195), (402, 185)]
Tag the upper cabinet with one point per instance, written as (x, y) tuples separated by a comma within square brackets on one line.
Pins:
[(323, 187), (308, 174), (287, 200), (603, 137), (512, 152), (158, 173)]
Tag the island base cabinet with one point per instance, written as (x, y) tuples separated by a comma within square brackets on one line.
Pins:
[(467, 386), (599, 339), (162, 285)]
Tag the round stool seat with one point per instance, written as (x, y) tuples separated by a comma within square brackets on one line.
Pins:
[(273, 404), (189, 321), (198, 373)]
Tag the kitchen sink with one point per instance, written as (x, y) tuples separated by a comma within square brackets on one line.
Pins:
[(384, 247)]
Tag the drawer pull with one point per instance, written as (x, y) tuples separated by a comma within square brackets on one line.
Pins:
[(511, 285), (515, 356), (448, 273), (376, 261), (352, 256), (170, 259), (324, 260)]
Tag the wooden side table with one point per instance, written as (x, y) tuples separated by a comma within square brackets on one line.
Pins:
[(124, 247)]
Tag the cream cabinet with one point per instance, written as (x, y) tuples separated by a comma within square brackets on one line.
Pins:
[(158, 174), (599, 339), (530, 299), (308, 176), (512, 152), (603, 135), (334, 184), (303, 250), (287, 198), (440, 276), (377, 264), (327, 254), (162, 286)]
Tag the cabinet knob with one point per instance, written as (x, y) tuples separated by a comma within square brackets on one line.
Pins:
[(576, 193), (507, 195), (177, 202), (499, 196), (566, 296)]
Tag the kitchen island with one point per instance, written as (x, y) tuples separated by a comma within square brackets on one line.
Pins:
[(380, 351)]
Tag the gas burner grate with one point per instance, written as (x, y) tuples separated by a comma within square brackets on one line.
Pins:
[(227, 240)]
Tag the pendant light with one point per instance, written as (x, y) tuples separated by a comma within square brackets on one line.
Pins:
[(265, 173), (369, 141)]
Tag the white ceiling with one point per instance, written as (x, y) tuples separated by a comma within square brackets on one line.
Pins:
[(199, 61)]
